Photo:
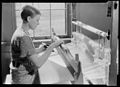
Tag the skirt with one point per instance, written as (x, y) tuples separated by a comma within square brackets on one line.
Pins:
[(21, 76)]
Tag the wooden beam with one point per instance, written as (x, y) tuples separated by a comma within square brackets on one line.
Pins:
[(65, 54), (67, 57), (113, 45), (90, 28)]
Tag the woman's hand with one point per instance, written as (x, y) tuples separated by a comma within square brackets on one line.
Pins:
[(57, 43)]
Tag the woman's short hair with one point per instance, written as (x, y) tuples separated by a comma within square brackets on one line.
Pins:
[(29, 11)]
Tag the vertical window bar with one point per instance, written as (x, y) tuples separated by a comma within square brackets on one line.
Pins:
[(65, 18), (33, 30), (69, 21), (50, 21)]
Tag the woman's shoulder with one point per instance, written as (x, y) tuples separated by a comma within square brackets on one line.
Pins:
[(18, 34)]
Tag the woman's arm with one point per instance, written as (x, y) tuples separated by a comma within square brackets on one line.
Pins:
[(39, 60)]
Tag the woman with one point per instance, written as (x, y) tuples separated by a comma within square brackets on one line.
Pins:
[(25, 60)]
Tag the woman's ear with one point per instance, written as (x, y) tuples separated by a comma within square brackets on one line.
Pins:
[(28, 18)]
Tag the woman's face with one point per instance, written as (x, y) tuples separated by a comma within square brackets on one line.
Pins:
[(33, 22)]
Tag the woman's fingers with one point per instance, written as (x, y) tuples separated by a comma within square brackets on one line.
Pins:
[(58, 42)]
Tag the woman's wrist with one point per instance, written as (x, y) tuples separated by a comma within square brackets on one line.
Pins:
[(51, 46)]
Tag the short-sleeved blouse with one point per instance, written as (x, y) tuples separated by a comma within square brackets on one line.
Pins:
[(22, 68)]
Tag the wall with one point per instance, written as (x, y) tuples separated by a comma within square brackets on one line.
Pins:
[(94, 14), (8, 21), (8, 27)]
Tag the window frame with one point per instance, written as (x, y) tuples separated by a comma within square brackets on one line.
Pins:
[(68, 25)]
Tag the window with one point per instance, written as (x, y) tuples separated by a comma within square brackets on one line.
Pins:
[(53, 15)]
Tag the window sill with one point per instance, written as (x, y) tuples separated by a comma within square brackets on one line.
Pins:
[(48, 41)]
